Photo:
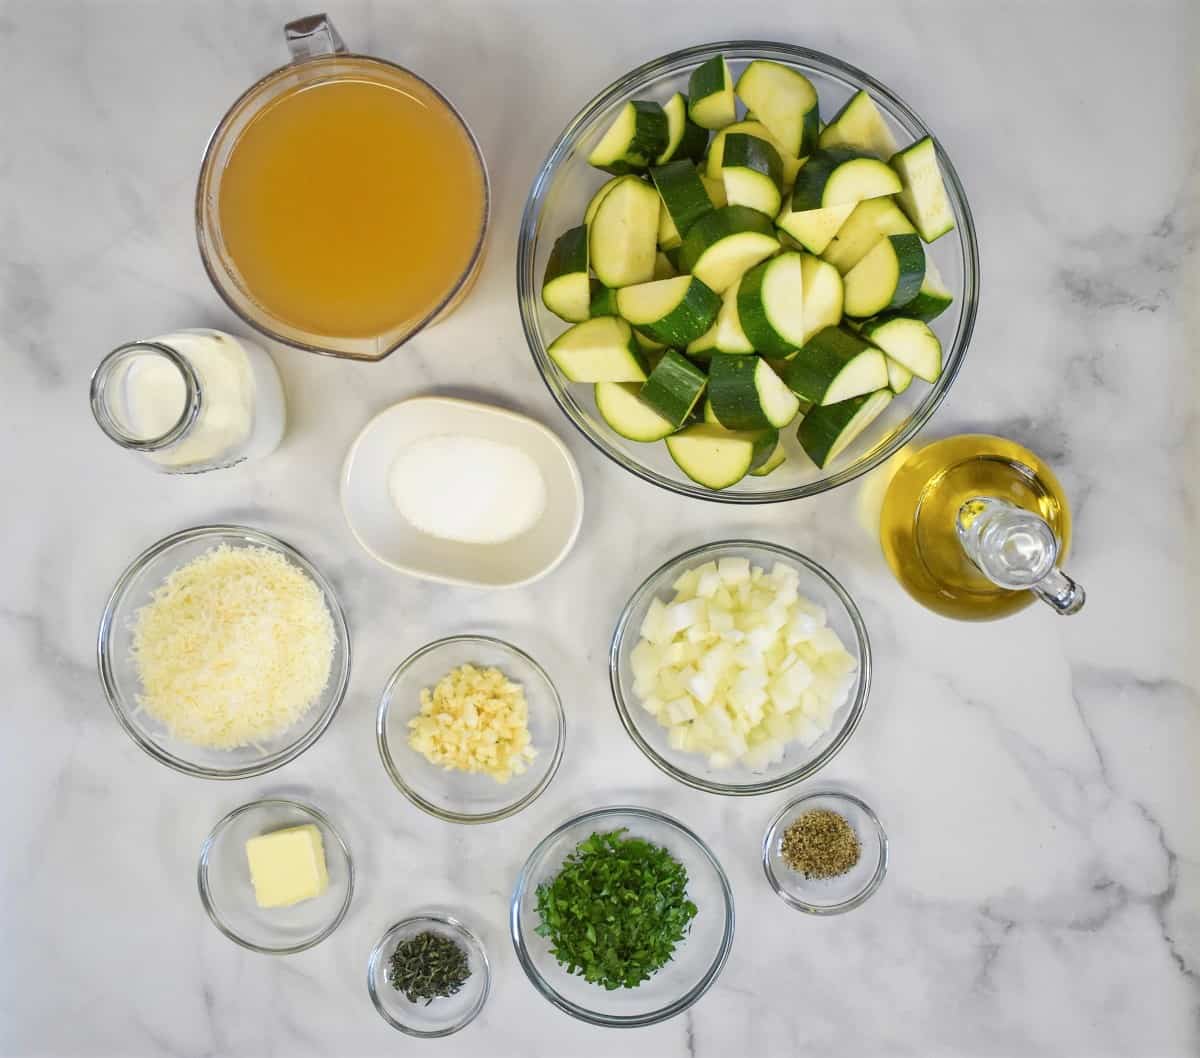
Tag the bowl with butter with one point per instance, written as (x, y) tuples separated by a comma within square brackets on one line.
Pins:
[(275, 876)]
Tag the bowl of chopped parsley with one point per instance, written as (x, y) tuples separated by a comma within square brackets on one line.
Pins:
[(622, 917)]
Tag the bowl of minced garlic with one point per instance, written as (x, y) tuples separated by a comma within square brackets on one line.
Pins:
[(470, 729)]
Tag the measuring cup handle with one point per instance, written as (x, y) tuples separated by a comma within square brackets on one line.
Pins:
[(312, 36)]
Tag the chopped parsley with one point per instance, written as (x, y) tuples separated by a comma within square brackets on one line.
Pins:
[(616, 910)]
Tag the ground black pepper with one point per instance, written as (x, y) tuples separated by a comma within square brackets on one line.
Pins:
[(820, 844)]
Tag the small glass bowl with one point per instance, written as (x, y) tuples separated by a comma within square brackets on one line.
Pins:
[(698, 959), (565, 184), (440, 1017), (827, 896), (228, 894), (455, 796), (692, 769), (119, 677)]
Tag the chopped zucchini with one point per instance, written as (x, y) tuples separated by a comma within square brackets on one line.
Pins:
[(624, 234), (813, 229), (684, 200), (839, 177), (870, 220), (888, 277), (860, 127), (620, 406), (826, 431), (899, 377), (566, 290), (704, 346), (599, 350), (685, 139), (598, 197), (789, 166), (674, 387), (909, 342), (716, 457), (603, 300), (721, 246), (785, 101), (923, 196), (774, 461), (673, 311), (770, 302), (634, 140), (714, 187), (823, 295), (648, 345), (709, 415), (663, 269), (746, 393), (711, 103), (933, 298), (752, 172), (835, 365), (728, 336)]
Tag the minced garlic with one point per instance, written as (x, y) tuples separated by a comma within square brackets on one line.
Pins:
[(474, 720)]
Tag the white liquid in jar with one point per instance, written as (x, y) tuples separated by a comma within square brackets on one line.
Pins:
[(242, 413)]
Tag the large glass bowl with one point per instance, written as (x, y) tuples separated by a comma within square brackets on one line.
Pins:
[(799, 762), (566, 182), (119, 676), (698, 959)]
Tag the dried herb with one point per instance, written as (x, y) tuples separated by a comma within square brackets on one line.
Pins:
[(820, 844), (616, 910), (428, 966)]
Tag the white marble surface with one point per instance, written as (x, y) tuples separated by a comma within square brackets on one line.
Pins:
[(1037, 777)]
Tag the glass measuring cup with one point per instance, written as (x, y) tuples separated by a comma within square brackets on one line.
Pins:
[(400, 270)]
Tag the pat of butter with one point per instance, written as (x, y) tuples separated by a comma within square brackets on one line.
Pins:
[(287, 866)]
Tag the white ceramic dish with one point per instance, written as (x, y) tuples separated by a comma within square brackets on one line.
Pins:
[(389, 538)]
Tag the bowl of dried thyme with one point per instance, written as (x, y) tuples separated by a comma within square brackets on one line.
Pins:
[(428, 975), (825, 853)]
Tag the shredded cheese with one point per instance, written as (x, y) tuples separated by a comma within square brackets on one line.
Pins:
[(233, 648), (474, 720)]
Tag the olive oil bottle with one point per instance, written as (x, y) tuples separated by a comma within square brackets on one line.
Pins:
[(974, 526)]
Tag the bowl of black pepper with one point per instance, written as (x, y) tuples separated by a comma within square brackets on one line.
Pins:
[(428, 975), (825, 853)]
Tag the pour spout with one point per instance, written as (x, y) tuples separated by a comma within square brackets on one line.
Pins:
[(1016, 549)]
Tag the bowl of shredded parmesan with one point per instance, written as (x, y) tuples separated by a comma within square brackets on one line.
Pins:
[(223, 652)]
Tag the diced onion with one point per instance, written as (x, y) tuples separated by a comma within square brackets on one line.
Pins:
[(738, 664)]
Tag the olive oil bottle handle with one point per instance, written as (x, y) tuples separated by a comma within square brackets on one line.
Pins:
[(313, 36), (1016, 549)]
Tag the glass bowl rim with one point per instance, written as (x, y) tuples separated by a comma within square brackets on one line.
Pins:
[(217, 275), (473, 940), (528, 297), (582, 1013), (389, 762), (855, 709), (206, 893), (872, 884), (104, 662)]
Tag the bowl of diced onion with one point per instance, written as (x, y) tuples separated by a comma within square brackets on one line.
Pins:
[(740, 667)]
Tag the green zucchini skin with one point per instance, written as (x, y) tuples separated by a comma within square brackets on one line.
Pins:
[(689, 139), (812, 374), (685, 319), (639, 150), (710, 94), (682, 192), (754, 313), (674, 387), (826, 430), (603, 300), (565, 283)]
